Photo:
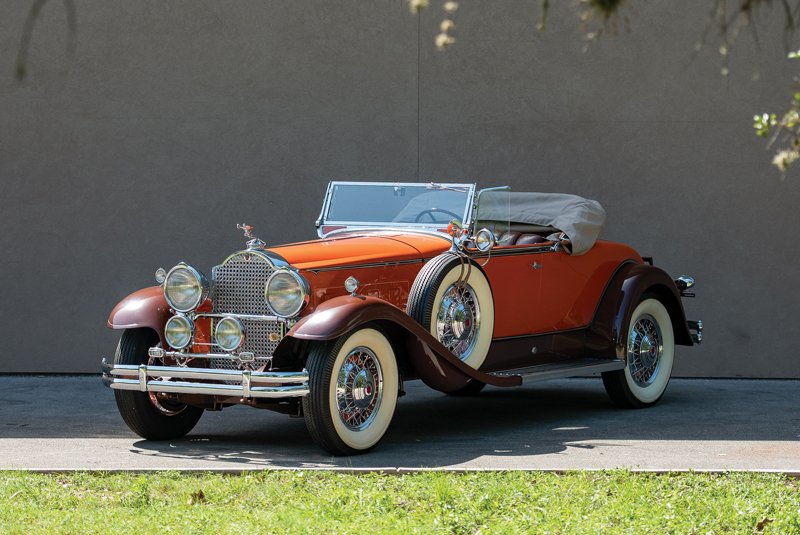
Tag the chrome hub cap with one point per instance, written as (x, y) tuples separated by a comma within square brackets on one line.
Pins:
[(359, 388), (458, 320), (462, 322), (645, 350)]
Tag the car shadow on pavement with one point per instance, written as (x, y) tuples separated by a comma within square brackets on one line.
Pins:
[(429, 429)]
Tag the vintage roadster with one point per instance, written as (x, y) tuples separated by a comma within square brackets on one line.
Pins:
[(437, 282)]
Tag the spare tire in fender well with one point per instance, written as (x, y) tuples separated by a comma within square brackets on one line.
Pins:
[(432, 362)]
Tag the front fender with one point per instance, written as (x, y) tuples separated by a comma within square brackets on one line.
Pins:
[(145, 308), (607, 334), (435, 364)]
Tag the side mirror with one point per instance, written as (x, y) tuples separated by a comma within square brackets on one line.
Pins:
[(485, 240)]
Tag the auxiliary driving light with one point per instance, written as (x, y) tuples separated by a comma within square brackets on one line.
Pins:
[(179, 332), (229, 334)]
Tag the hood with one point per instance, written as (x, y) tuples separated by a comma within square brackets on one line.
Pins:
[(361, 248)]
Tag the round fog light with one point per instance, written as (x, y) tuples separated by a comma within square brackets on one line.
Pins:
[(179, 332), (229, 334)]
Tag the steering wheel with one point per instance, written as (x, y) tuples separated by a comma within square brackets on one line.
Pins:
[(431, 211)]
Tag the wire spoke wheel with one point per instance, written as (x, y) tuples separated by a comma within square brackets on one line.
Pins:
[(458, 320), (645, 350), (650, 353), (359, 388)]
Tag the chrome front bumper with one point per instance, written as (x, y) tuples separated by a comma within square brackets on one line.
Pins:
[(162, 379)]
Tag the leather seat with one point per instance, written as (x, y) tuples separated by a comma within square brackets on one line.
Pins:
[(529, 239), (508, 238)]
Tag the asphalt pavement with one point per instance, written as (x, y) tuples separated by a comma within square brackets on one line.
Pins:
[(53, 423)]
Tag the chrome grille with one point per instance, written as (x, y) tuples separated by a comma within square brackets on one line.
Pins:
[(238, 288)]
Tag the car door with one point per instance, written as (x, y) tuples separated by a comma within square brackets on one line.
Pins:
[(515, 274), (571, 286)]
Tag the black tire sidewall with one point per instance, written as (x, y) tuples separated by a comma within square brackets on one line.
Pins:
[(136, 408)]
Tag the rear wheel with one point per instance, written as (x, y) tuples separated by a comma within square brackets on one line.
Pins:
[(353, 389), (148, 415), (650, 355)]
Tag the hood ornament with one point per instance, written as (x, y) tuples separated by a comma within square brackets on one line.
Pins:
[(254, 242)]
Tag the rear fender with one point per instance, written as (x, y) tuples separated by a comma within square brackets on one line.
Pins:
[(606, 336), (145, 308), (433, 362)]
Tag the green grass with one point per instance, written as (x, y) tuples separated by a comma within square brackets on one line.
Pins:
[(317, 502)]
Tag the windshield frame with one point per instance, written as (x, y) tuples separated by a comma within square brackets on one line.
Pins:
[(345, 226)]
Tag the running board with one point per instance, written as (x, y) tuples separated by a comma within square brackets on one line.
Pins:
[(559, 370)]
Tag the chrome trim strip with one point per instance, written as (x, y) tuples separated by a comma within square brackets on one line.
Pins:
[(316, 271), (516, 251), (179, 355), (560, 370), (359, 232), (252, 317), (272, 258)]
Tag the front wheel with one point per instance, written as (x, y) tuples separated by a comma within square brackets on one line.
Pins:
[(353, 388), (650, 354), (147, 414)]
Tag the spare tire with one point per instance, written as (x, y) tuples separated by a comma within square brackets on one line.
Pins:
[(460, 316)]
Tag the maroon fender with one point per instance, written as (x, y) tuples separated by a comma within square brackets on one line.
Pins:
[(435, 364), (145, 308), (606, 336)]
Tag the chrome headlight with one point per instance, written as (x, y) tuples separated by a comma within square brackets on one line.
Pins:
[(179, 332), (229, 334), (286, 293), (185, 288)]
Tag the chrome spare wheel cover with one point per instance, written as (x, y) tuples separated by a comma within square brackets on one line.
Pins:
[(458, 320), (359, 388), (645, 349)]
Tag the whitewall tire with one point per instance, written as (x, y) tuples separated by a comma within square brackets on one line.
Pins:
[(650, 353), (460, 316), (353, 384)]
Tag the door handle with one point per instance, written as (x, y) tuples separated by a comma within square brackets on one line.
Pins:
[(537, 266)]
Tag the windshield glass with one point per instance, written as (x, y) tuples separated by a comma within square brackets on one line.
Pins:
[(425, 205)]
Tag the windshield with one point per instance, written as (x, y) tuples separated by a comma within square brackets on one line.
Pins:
[(350, 204)]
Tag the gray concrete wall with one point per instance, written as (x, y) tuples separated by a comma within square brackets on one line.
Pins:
[(176, 120)]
